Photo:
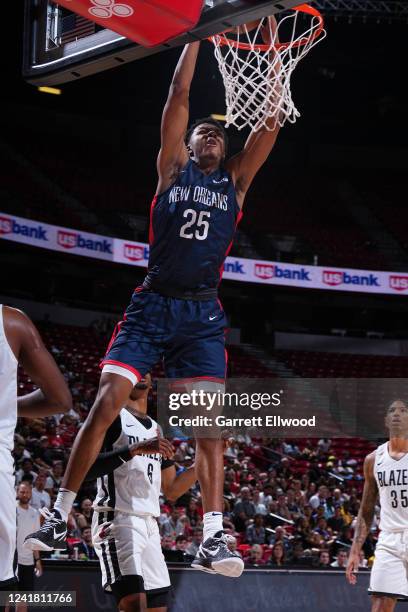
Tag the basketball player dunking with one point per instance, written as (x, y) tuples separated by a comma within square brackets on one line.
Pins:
[(21, 343), (175, 313), (386, 474)]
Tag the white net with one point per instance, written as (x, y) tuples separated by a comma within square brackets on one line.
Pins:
[(257, 77)]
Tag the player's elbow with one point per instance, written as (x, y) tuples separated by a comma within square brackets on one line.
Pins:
[(169, 494), (179, 90)]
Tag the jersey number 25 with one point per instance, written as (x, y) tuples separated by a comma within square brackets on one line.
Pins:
[(201, 225)]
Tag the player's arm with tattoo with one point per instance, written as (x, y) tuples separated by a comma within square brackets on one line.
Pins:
[(364, 518)]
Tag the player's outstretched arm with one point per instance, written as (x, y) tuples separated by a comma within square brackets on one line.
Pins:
[(364, 518), (244, 166), (53, 396), (107, 462), (174, 486), (173, 152)]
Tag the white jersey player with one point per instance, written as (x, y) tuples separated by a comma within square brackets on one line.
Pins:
[(134, 466), (21, 343), (386, 475)]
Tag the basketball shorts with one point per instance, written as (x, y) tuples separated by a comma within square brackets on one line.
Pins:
[(8, 524), (25, 577), (188, 334), (389, 574), (130, 555)]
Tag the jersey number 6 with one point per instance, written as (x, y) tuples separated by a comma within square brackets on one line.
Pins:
[(202, 225)]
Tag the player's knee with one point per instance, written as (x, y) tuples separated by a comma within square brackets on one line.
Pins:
[(105, 409), (382, 603), (209, 445), (133, 603)]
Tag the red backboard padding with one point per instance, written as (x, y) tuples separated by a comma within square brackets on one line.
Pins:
[(147, 22)]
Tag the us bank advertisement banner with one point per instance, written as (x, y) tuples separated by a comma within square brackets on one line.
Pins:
[(75, 242)]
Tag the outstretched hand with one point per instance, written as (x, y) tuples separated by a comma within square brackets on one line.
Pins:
[(268, 31), (154, 446)]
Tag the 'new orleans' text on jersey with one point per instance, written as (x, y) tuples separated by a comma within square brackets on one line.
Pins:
[(192, 225)]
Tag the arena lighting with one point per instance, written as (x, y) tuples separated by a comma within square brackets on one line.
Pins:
[(218, 117), (50, 90)]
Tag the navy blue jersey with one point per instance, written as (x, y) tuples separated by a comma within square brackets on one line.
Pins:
[(192, 225)]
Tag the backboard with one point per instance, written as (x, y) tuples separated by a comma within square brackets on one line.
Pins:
[(60, 46)]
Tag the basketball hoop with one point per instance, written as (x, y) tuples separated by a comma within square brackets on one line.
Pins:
[(257, 75)]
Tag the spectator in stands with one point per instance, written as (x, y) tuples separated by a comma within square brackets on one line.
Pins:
[(278, 554), (255, 533), (279, 536), (227, 515), (73, 531), (345, 512), (341, 560), (244, 507), (321, 528), (196, 541), (281, 505), (84, 517), (40, 497), (26, 472), (86, 551), (260, 507), (319, 498), (283, 470), (324, 558), (181, 543), (67, 430), (232, 544), (324, 444), (193, 513), (183, 526), (56, 474), (29, 563), (43, 455), (20, 452), (266, 496), (54, 438), (168, 542), (336, 522), (297, 553), (169, 525), (254, 556), (363, 561)]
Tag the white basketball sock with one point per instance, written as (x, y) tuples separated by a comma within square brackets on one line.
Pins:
[(212, 524), (64, 502)]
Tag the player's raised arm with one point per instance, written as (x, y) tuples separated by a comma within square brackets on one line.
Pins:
[(53, 395), (244, 166), (173, 152), (364, 518)]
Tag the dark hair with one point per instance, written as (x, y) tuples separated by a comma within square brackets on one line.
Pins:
[(398, 399), (181, 538), (211, 121)]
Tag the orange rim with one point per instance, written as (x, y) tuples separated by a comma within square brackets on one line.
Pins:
[(223, 40)]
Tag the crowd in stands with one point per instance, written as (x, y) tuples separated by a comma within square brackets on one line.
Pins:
[(286, 502)]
